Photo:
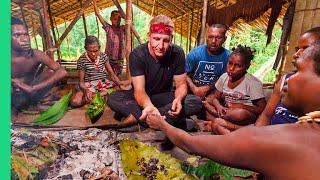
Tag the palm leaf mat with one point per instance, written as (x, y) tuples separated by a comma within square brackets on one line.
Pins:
[(141, 161)]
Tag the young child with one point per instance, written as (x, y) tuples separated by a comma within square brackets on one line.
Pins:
[(238, 99), (115, 35)]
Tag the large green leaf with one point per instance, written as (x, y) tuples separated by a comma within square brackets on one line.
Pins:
[(212, 170)]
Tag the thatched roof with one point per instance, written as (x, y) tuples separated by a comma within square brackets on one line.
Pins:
[(183, 12)]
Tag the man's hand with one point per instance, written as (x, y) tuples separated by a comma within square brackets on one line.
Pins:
[(23, 86), (88, 95), (155, 121), (175, 108), (148, 111)]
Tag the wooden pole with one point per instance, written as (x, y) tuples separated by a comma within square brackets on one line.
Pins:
[(74, 21), (23, 15), (191, 27), (68, 44), (128, 33), (52, 30), (34, 32), (123, 15), (181, 31), (41, 29), (98, 28), (47, 35), (203, 22), (189, 30), (84, 21), (196, 42)]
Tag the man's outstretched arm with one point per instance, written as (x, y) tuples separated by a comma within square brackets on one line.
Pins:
[(234, 149)]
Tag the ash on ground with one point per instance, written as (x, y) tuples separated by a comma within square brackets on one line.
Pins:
[(84, 154)]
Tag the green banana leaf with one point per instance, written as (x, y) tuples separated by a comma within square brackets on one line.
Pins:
[(213, 170), (55, 112)]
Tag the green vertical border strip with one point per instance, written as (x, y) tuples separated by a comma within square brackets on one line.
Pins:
[(5, 89)]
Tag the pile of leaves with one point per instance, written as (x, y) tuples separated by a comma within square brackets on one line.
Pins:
[(96, 107), (141, 161), (55, 112), (32, 163)]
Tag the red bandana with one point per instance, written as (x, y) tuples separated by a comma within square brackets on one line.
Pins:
[(161, 28)]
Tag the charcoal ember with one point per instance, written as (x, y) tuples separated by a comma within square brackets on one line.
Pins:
[(91, 149), (65, 177)]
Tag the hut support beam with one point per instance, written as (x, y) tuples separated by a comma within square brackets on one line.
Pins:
[(203, 22), (123, 15), (128, 33), (52, 30), (84, 21), (46, 30), (76, 18)]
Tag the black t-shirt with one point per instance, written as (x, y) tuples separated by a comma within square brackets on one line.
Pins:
[(158, 73)]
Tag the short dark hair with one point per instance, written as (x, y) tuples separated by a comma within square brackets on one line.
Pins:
[(91, 40), (245, 51), (222, 26), (114, 12), (16, 21)]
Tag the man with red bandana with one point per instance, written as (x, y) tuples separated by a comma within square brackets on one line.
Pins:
[(154, 67)]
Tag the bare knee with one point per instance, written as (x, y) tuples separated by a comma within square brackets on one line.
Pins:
[(240, 116), (77, 100)]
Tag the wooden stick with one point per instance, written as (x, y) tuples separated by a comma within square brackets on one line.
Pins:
[(97, 22), (74, 21), (84, 21), (203, 22), (128, 33), (46, 29), (35, 34), (52, 30)]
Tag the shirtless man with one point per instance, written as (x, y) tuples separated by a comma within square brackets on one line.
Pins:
[(286, 151), (28, 84)]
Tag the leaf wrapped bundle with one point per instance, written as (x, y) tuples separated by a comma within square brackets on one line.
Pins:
[(96, 107)]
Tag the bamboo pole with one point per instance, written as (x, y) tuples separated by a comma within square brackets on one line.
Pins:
[(41, 29), (84, 21), (203, 22), (128, 33), (191, 27), (123, 15), (52, 30), (23, 15), (76, 18), (33, 30), (181, 31), (198, 28), (98, 28), (68, 44), (46, 29)]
